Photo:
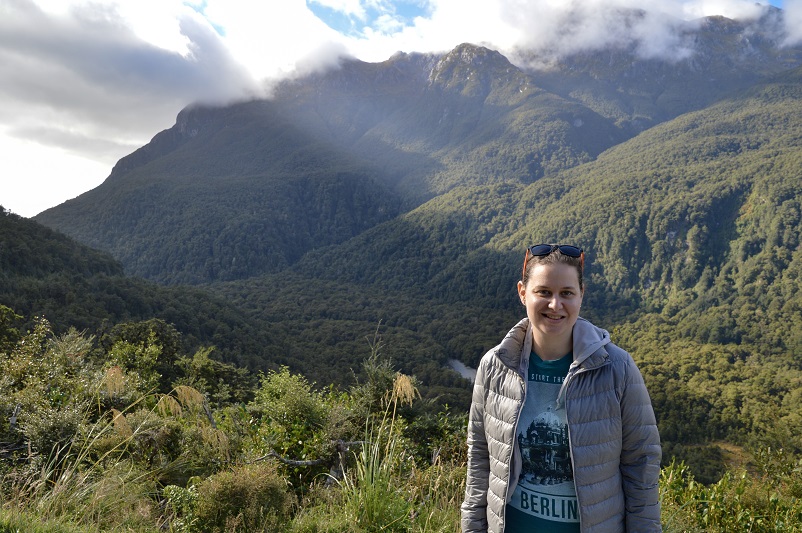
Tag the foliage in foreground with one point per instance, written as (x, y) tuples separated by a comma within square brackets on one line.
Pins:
[(95, 439)]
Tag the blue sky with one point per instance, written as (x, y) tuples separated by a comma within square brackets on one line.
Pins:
[(399, 13), (336, 15)]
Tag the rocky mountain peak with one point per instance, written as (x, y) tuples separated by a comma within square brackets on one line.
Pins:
[(470, 68)]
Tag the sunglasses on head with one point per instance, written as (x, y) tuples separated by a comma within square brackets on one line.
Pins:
[(542, 250)]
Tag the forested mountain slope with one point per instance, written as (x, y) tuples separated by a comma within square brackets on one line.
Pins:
[(692, 233), (710, 58), (690, 205), (227, 193), (46, 274), (234, 192), (243, 190)]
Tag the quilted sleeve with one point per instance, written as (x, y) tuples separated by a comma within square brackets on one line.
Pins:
[(640, 454), (474, 507)]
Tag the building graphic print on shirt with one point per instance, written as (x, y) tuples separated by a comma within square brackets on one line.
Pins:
[(545, 496)]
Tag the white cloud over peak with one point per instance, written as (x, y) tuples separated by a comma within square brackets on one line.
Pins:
[(87, 72), (793, 21), (267, 39)]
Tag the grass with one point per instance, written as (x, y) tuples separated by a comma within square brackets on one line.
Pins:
[(20, 522)]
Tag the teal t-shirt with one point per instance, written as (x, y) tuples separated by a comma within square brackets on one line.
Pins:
[(545, 498)]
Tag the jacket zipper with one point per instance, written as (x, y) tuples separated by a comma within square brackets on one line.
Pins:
[(512, 450), (563, 394)]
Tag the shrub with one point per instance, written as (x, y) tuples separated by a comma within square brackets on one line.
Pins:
[(374, 495), (438, 492), (292, 422), (439, 436), (183, 503), (246, 498), (50, 430), (737, 502)]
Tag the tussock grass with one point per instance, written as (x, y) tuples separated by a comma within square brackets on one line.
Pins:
[(20, 522)]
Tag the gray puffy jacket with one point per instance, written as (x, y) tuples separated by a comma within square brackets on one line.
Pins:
[(615, 447)]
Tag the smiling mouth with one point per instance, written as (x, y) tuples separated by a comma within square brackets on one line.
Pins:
[(553, 317)]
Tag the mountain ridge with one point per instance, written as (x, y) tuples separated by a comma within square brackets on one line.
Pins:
[(368, 142), (272, 145)]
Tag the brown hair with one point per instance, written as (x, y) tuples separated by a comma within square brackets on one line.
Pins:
[(554, 257)]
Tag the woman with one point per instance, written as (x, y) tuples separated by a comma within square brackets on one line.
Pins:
[(562, 435)]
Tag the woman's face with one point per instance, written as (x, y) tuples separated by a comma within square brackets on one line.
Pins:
[(552, 298)]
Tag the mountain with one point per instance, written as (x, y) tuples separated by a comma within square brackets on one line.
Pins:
[(684, 218), (221, 208), (644, 83), (247, 189), (230, 193)]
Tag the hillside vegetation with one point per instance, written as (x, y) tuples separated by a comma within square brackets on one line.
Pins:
[(46, 274), (104, 436), (713, 58)]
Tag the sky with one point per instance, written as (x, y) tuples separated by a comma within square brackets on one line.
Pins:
[(84, 83)]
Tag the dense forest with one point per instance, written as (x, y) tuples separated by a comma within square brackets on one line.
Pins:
[(250, 324)]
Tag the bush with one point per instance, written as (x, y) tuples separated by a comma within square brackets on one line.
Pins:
[(292, 422), (247, 498), (375, 497), (737, 502)]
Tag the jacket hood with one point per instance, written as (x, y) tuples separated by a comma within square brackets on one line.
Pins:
[(588, 340), (514, 344)]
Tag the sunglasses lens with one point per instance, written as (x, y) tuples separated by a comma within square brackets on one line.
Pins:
[(546, 249), (541, 249), (570, 251)]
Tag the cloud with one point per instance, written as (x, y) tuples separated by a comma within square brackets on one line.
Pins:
[(270, 40), (87, 71), (793, 22), (120, 71), (94, 79), (80, 87), (350, 8), (558, 29), (552, 27)]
